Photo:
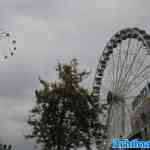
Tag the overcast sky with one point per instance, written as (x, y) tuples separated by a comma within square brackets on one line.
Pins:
[(48, 31)]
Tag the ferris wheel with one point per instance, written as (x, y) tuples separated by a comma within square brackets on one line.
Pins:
[(7, 45), (122, 71)]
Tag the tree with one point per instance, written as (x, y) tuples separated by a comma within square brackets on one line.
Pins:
[(65, 116)]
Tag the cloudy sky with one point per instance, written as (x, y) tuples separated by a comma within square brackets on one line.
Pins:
[(48, 31)]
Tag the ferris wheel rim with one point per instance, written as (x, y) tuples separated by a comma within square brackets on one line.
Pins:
[(141, 34), (5, 35)]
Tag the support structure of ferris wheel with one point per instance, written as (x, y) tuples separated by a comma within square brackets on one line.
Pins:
[(122, 71)]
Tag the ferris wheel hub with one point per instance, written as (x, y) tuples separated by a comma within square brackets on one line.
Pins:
[(113, 98)]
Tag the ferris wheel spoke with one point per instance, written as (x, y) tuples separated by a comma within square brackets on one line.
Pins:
[(124, 64), (110, 78), (126, 77), (141, 72), (135, 72), (114, 66), (140, 75), (121, 70), (118, 63), (113, 71), (133, 61), (104, 90), (143, 76), (109, 119), (139, 66), (136, 85), (136, 77)]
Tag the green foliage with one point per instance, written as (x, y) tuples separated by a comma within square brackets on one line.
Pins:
[(64, 116)]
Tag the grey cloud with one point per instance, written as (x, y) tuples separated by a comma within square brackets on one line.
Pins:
[(50, 31)]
